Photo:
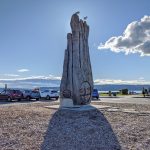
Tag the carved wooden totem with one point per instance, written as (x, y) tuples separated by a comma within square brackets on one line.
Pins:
[(77, 80)]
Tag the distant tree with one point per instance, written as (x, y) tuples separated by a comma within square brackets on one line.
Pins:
[(124, 91), (143, 91), (146, 91), (109, 93)]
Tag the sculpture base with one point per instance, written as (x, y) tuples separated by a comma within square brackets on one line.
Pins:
[(66, 102)]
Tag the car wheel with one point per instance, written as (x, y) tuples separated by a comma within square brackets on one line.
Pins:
[(57, 98), (37, 99), (28, 98), (47, 97), (19, 99), (9, 99)]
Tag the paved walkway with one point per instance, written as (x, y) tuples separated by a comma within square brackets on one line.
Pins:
[(125, 99), (101, 107)]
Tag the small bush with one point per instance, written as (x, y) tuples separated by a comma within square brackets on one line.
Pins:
[(124, 91)]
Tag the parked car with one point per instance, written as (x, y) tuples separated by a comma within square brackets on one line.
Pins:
[(3, 96), (95, 94), (49, 93), (11, 94), (31, 94)]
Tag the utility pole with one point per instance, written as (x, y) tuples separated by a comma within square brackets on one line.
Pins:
[(5, 87)]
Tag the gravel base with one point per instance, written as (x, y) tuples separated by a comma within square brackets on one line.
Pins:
[(35, 127)]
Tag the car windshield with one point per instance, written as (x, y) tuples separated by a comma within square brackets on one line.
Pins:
[(3, 92), (54, 91), (19, 92), (94, 90), (26, 91), (35, 91), (11, 91)]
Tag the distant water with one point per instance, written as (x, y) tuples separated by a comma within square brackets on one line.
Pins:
[(137, 92), (112, 87), (108, 87)]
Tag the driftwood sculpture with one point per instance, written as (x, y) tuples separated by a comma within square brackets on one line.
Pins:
[(77, 80)]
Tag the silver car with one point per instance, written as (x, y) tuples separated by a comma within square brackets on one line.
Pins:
[(30, 94)]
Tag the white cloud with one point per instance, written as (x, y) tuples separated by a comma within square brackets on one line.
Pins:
[(141, 78), (54, 77), (11, 75), (129, 82), (23, 70), (50, 77), (31, 82), (135, 39)]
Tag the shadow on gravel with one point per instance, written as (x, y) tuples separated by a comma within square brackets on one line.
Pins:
[(79, 130), (110, 97)]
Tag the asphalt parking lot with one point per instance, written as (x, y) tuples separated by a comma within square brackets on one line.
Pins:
[(4, 103), (122, 99)]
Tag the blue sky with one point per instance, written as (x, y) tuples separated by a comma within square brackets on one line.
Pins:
[(33, 38)]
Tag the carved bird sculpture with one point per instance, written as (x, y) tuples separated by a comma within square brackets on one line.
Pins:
[(85, 18), (77, 12)]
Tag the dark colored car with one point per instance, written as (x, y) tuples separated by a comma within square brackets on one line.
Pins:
[(11, 94), (29, 94), (95, 94)]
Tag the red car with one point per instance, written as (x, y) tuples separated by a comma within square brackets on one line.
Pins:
[(11, 94)]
